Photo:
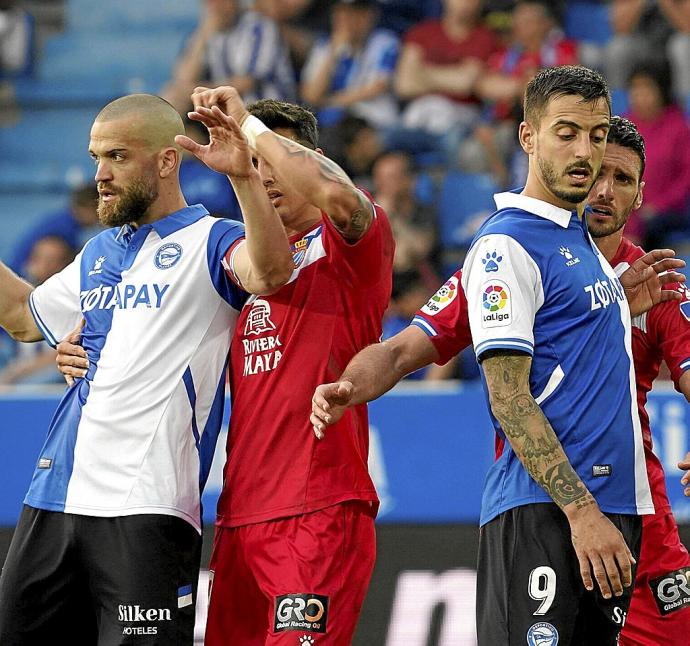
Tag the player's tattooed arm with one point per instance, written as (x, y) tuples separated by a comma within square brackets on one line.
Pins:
[(527, 429), (322, 182)]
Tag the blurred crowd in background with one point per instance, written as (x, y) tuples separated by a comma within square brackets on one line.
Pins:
[(418, 100)]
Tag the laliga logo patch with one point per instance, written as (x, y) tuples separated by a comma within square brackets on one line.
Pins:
[(542, 634), (168, 255), (301, 612), (496, 305), (443, 297)]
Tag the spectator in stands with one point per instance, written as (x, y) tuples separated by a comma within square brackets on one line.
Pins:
[(34, 363), (16, 40), (414, 224), (677, 12), (667, 179), (440, 62), (351, 69), (536, 41), (234, 47), (74, 225), (640, 33)]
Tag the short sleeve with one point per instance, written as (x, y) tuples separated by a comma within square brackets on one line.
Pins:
[(55, 305), (445, 321), (223, 237), (370, 259), (669, 324), (504, 292)]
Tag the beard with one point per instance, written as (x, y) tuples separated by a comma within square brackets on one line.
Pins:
[(609, 226), (131, 204), (570, 195)]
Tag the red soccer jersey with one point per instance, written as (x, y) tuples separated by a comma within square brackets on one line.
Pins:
[(284, 346), (663, 333)]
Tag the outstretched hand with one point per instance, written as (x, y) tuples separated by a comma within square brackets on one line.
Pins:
[(226, 97), (329, 403), (227, 151), (644, 280)]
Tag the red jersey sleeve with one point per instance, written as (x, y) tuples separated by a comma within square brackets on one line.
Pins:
[(370, 259), (445, 321), (669, 325)]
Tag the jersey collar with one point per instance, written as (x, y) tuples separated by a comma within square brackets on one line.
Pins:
[(179, 220), (510, 200)]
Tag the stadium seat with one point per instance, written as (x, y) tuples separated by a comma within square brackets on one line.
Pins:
[(620, 101), (19, 211), (465, 201), (128, 15), (588, 22)]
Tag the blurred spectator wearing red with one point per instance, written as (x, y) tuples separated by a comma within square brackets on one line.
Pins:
[(351, 69), (74, 225), (34, 363), (235, 47), (536, 42), (440, 63), (667, 179)]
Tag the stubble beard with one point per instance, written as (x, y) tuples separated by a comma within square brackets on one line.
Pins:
[(550, 177)]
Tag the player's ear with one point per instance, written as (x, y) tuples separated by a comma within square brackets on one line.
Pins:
[(527, 135), (168, 160), (640, 197)]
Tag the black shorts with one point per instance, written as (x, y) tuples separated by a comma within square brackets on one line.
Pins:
[(72, 579), (529, 588)]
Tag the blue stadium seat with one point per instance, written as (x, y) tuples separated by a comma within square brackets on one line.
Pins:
[(465, 201), (588, 22), (129, 15), (620, 101), (19, 211), (93, 57)]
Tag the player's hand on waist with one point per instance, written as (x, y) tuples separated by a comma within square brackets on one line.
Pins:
[(72, 360), (600, 549), (329, 403)]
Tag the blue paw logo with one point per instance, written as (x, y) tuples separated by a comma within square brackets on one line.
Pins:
[(491, 262)]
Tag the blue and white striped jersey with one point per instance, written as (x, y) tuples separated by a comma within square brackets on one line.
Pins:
[(536, 282), (254, 47), (138, 433)]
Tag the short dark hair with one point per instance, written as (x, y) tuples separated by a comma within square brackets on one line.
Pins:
[(624, 132), (281, 114), (566, 80)]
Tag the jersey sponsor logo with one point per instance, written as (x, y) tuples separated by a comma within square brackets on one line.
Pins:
[(542, 634), (491, 262), (168, 255), (570, 260), (603, 293), (122, 297), (132, 614), (97, 266), (496, 304), (672, 591), (305, 611), (262, 354), (443, 297)]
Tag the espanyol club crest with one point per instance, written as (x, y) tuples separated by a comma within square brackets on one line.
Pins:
[(542, 634), (299, 249), (168, 255)]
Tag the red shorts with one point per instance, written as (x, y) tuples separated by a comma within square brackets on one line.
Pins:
[(662, 573), (298, 581)]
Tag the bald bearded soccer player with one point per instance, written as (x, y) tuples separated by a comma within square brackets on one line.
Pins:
[(107, 548)]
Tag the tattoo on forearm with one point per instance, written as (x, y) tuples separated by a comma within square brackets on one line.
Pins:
[(328, 169), (529, 432)]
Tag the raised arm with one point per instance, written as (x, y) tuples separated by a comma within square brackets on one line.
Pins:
[(596, 540), (264, 263), (15, 315), (320, 181), (371, 373)]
